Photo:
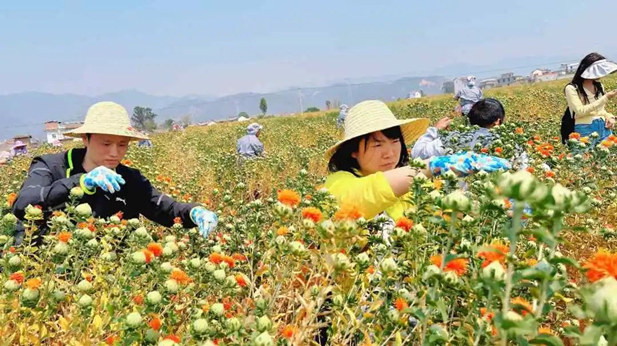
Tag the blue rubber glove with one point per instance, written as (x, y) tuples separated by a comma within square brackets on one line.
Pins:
[(205, 220), (467, 163), (103, 178)]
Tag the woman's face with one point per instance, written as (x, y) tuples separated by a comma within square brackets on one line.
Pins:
[(378, 153)]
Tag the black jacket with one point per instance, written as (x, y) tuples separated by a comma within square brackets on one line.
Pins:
[(51, 178)]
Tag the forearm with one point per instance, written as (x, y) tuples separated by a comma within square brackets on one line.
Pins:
[(48, 197)]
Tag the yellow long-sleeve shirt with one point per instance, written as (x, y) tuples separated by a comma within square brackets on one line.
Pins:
[(586, 113), (371, 194)]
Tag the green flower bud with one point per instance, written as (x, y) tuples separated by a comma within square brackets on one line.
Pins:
[(83, 210), (154, 298), (10, 219), (195, 263), (362, 259), (152, 335), (388, 266), (59, 295), (603, 301), (456, 201), (11, 285), (166, 267), (219, 275), (77, 192), (15, 261), (171, 286), (84, 286), (141, 232), (233, 325), (264, 339), (494, 271), (200, 326), (61, 248), (85, 301), (134, 320), (217, 309), (138, 257), (264, 324), (210, 267), (296, 248)]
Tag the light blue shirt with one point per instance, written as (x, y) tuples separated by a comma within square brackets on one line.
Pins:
[(468, 97), (250, 146)]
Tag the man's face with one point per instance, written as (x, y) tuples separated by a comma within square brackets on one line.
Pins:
[(106, 150)]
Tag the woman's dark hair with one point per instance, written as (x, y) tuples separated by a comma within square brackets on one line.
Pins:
[(486, 112), (578, 80), (343, 161)]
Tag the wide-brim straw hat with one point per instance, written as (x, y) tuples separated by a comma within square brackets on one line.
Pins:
[(107, 118), (372, 116)]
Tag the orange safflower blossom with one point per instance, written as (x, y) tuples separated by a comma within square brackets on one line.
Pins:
[(216, 258), (602, 264), (64, 237), (404, 223), (180, 276), (11, 198), (458, 266), (289, 197), (288, 331), (155, 323), (400, 304), (18, 276), (34, 283), (522, 305), (575, 135), (348, 212), (497, 251), (312, 213), (156, 249)]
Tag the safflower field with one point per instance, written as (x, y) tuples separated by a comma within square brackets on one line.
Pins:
[(518, 258)]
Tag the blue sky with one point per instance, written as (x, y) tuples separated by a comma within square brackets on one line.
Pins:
[(225, 47)]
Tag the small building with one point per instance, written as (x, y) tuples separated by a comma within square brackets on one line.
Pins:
[(488, 83), (414, 95), (55, 130), (506, 79), (243, 119), (569, 68)]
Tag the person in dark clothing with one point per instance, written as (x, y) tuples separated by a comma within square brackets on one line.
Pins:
[(109, 187)]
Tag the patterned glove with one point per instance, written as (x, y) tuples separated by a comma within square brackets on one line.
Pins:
[(204, 219), (104, 178), (467, 163)]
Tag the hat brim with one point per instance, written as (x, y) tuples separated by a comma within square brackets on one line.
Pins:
[(599, 70), (131, 133), (411, 129)]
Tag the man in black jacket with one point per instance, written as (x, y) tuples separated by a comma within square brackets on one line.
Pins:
[(109, 187)]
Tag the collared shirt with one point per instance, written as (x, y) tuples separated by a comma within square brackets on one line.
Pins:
[(250, 146)]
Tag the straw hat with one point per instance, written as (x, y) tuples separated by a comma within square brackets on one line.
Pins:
[(107, 118), (372, 116)]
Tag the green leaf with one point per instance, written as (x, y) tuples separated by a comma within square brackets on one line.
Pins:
[(591, 336), (565, 260), (546, 339)]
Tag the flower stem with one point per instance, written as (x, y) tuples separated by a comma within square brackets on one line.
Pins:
[(516, 225)]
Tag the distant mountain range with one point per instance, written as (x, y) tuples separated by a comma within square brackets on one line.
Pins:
[(25, 113)]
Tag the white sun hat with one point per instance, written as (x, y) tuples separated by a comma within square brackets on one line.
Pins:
[(599, 69), (372, 116), (107, 118)]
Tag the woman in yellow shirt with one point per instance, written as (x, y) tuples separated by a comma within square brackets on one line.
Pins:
[(586, 97), (370, 167)]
